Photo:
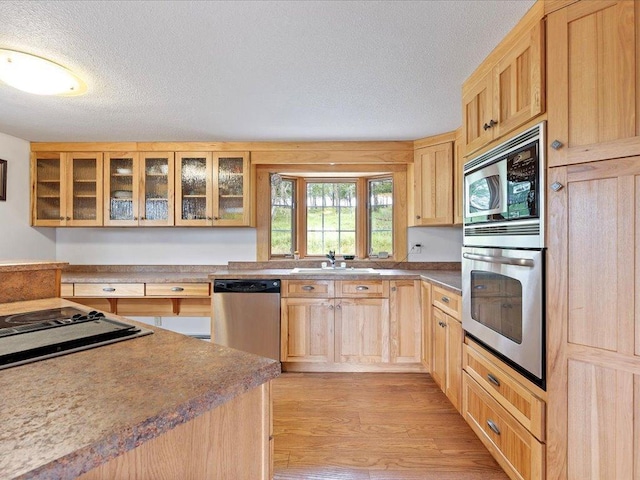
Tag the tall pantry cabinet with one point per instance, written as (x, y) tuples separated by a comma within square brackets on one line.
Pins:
[(593, 275)]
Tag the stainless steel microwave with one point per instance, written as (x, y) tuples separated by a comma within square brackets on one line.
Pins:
[(503, 193)]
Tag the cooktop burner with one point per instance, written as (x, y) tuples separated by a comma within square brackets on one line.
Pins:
[(30, 336)]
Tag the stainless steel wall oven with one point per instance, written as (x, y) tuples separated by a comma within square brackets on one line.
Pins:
[(503, 255)]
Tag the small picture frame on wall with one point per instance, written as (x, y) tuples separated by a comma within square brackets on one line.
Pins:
[(3, 180)]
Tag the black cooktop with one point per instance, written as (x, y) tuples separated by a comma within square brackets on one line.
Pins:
[(31, 336)]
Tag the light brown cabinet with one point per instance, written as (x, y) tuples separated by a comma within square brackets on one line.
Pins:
[(433, 190), (593, 320), (138, 189), (593, 86), (66, 189), (458, 179), (507, 90), (212, 189), (446, 365), (350, 325), (427, 325)]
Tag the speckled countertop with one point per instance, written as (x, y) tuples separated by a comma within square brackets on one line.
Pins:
[(64, 416), (26, 265), (446, 275)]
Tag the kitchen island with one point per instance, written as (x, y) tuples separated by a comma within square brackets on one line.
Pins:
[(159, 406)]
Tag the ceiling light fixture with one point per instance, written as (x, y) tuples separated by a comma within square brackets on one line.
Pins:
[(38, 75)]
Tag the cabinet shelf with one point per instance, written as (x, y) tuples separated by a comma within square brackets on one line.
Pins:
[(77, 180), (156, 175), (84, 196), (156, 199), (230, 196), (40, 180), (48, 196), (194, 196)]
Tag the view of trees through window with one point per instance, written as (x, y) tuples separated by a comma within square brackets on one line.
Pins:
[(330, 209), (282, 216), (381, 215), (331, 218)]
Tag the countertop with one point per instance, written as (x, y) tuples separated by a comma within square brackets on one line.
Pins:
[(27, 265), (64, 416), (449, 279)]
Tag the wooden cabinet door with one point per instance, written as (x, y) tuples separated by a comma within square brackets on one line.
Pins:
[(434, 185), (454, 362), (477, 113), (427, 326), (593, 320), (362, 330), (518, 81), (439, 363), (231, 189), (157, 189), (84, 189), (405, 321), (194, 189), (48, 189), (307, 330), (121, 189), (592, 81)]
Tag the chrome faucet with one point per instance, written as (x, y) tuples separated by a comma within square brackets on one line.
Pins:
[(332, 257)]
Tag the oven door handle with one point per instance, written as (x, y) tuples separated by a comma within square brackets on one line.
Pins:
[(521, 262)]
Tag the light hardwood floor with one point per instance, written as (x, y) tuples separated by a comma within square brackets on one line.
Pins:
[(372, 426)]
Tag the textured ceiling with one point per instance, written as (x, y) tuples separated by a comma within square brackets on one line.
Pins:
[(254, 70)]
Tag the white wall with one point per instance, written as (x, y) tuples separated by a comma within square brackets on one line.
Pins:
[(439, 244), (155, 246), (18, 240)]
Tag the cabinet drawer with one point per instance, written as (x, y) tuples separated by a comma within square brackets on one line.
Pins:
[(108, 289), (66, 290), (513, 446), (448, 302), (308, 288), (362, 288), (177, 289), (511, 394)]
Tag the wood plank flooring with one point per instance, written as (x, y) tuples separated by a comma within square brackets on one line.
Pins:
[(372, 426)]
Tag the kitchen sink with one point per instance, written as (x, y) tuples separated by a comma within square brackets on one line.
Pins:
[(336, 271)]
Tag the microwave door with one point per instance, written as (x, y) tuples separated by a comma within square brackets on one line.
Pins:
[(486, 191)]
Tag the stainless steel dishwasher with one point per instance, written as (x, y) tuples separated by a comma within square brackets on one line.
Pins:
[(246, 316)]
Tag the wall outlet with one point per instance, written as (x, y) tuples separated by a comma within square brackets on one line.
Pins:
[(417, 248)]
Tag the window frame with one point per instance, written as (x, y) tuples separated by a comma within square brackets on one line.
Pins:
[(368, 180), (294, 214)]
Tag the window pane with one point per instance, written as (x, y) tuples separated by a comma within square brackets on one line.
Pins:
[(381, 215), (331, 217), (282, 217)]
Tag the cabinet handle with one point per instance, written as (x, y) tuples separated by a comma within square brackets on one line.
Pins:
[(556, 186), (492, 123), (493, 379), (557, 144), (108, 289), (330, 307), (308, 288), (61, 218), (445, 299), (135, 218), (393, 289), (418, 217), (177, 289), (209, 218), (143, 218), (68, 218), (493, 426), (486, 127), (362, 288), (338, 307), (442, 324)]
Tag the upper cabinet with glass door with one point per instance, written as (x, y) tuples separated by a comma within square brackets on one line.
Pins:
[(156, 189), (212, 189), (121, 189), (66, 189)]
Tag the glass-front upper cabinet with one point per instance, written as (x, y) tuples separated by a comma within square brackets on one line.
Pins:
[(231, 177), (193, 189), (212, 188), (84, 189), (156, 189), (67, 189), (121, 189), (47, 188)]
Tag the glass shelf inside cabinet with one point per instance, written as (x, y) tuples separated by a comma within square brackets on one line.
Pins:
[(193, 182), (85, 172), (156, 189), (48, 189)]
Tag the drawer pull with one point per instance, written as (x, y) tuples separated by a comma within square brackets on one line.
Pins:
[(442, 324), (108, 289), (493, 427), (177, 289), (362, 288), (493, 380), (446, 299), (308, 288)]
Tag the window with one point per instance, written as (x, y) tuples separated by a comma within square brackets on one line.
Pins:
[(331, 218), (282, 215), (352, 216)]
